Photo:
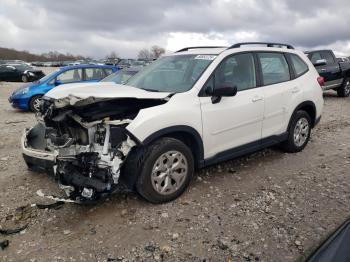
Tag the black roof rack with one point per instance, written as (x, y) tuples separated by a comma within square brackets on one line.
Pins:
[(198, 47), (261, 43)]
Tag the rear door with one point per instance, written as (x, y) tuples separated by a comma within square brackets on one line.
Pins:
[(332, 70), (277, 90), (237, 120)]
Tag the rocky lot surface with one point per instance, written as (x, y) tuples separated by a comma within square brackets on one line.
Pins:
[(268, 206)]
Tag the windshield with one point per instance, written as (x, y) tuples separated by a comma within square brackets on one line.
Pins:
[(174, 74), (119, 77)]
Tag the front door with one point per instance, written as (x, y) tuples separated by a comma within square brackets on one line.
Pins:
[(237, 120)]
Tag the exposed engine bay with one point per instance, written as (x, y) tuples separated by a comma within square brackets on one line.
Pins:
[(84, 145)]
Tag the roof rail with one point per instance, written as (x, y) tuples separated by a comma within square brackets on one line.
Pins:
[(261, 43), (198, 47)]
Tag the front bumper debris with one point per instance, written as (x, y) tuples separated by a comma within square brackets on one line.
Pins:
[(85, 172)]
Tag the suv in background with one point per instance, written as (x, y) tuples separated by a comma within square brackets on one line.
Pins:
[(191, 109), (336, 73)]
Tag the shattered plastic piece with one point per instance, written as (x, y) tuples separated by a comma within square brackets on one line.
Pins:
[(87, 192), (126, 146), (41, 194), (7, 232), (56, 205), (4, 244), (67, 189)]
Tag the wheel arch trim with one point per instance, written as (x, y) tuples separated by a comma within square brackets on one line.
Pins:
[(302, 105), (193, 133)]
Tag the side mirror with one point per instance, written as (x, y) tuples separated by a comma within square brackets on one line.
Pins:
[(320, 62), (57, 82), (221, 91)]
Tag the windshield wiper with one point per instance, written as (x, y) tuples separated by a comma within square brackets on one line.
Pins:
[(150, 90)]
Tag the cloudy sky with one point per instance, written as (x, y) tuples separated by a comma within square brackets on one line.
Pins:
[(97, 27)]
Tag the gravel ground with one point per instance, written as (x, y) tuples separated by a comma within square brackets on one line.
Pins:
[(268, 206)]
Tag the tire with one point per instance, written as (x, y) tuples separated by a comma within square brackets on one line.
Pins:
[(344, 89), (24, 78), (33, 103), (154, 167), (293, 144)]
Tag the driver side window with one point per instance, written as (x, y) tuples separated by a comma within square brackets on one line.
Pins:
[(70, 76), (237, 70)]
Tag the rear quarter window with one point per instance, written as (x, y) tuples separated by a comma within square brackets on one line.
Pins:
[(300, 67)]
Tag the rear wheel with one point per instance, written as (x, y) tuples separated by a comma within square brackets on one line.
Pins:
[(165, 169), (34, 104), (298, 133), (344, 89), (24, 78)]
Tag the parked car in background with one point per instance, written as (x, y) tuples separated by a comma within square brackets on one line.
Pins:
[(37, 63), (336, 74), (125, 63), (121, 76), (73, 63), (28, 96), (191, 109), (343, 59), (19, 72), (111, 61)]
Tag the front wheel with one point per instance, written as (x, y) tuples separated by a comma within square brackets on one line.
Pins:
[(34, 103), (344, 89), (298, 133), (165, 169)]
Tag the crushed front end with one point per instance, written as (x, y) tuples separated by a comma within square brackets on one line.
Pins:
[(83, 146)]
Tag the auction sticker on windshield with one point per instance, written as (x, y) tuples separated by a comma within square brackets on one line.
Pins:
[(205, 57)]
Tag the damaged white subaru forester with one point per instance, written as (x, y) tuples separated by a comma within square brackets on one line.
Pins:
[(194, 108)]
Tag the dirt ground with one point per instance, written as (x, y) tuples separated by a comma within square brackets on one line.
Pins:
[(268, 206)]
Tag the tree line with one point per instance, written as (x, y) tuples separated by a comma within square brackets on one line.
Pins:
[(12, 54)]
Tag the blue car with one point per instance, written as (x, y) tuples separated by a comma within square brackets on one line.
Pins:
[(27, 96)]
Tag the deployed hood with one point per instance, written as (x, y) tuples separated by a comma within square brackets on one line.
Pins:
[(82, 94)]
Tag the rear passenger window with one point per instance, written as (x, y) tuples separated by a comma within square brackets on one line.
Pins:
[(274, 68), (237, 70), (300, 66), (94, 73)]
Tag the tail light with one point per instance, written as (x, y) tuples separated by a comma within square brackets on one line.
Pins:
[(320, 81)]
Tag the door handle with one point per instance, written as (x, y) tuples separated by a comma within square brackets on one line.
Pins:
[(323, 70), (257, 98), (295, 90)]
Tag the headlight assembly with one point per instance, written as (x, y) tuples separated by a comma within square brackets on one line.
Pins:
[(24, 91)]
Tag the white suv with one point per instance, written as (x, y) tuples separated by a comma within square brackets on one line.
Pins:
[(187, 110)]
